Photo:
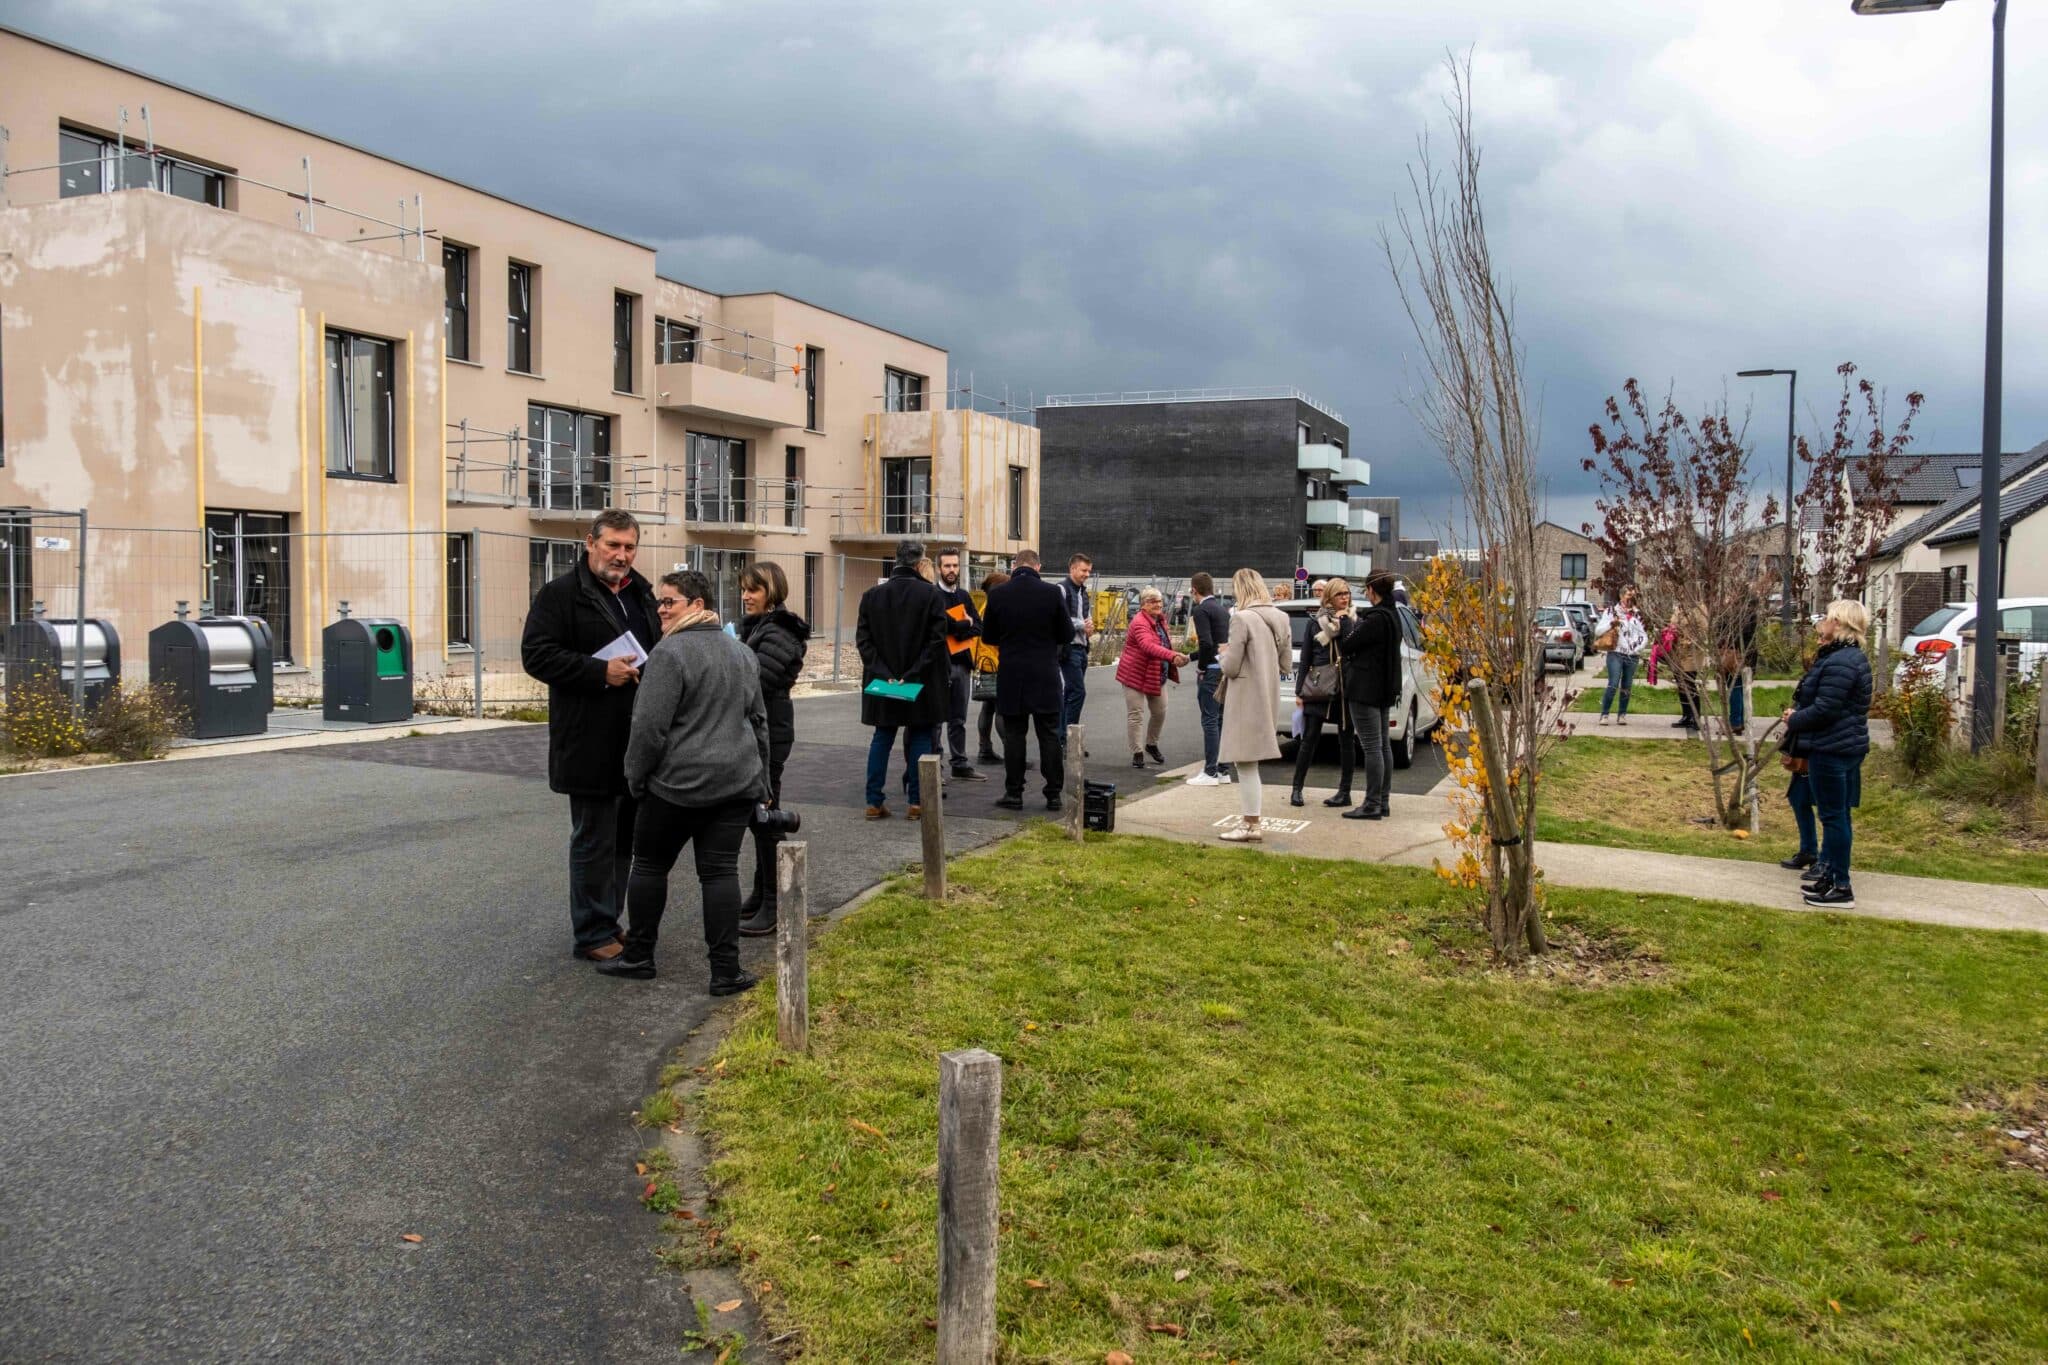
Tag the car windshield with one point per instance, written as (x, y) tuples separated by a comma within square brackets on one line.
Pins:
[(1549, 616), (1933, 625)]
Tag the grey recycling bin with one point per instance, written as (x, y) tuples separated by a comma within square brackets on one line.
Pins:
[(219, 668), (40, 647), (366, 669)]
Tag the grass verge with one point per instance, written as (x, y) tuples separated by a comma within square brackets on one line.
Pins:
[(1631, 794), (1274, 1106), (1768, 701)]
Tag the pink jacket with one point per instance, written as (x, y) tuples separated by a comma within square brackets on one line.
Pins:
[(1666, 646), (1146, 648)]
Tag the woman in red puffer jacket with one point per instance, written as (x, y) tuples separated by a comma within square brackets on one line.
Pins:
[(1149, 661)]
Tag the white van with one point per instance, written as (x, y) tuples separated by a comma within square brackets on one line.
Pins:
[(1411, 720)]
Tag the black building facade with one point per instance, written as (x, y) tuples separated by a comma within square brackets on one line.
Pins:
[(1161, 488)]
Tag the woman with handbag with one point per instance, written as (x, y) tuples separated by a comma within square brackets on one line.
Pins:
[(1622, 636), (1149, 661), (1319, 692), (983, 689)]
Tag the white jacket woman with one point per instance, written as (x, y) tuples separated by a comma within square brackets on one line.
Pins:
[(1260, 652)]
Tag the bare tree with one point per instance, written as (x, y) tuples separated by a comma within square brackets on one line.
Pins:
[(1473, 402)]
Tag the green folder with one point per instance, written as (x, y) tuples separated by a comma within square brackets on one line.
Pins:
[(897, 691)]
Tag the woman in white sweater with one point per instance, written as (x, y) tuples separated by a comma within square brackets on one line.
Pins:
[(1631, 638)]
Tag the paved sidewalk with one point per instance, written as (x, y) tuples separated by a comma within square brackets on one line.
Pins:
[(1414, 837)]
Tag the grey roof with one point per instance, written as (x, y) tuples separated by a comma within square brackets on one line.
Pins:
[(2014, 506), (2016, 466), (1937, 479)]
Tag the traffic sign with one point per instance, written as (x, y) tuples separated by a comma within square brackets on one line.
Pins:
[(1301, 575)]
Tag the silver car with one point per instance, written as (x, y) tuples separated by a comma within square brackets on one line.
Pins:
[(1410, 721), (1564, 644)]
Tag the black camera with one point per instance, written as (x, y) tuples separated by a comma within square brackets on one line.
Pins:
[(781, 823)]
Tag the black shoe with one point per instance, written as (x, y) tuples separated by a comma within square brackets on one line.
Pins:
[(733, 985), (1683, 724), (1054, 803), (1814, 875), (1137, 760), (1152, 752), (967, 774), (1832, 895), (627, 968), (758, 925), (990, 757), (1010, 802), (1294, 798), (1340, 799), (1798, 862), (1363, 813)]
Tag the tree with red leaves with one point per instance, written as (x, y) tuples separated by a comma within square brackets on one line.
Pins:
[(1842, 527)]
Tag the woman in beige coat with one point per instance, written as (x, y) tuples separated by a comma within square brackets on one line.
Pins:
[(1260, 651)]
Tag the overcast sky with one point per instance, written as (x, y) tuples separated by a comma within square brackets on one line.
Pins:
[(1088, 197)]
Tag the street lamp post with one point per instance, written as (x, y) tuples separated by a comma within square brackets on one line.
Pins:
[(1990, 582), (1791, 409)]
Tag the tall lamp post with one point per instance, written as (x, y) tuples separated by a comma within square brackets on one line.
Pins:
[(1990, 583), (1791, 409)]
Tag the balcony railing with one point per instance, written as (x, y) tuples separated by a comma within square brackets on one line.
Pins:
[(499, 469), (857, 516), (745, 505), (1328, 512)]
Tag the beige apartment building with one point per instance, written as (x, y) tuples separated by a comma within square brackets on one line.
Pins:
[(280, 373)]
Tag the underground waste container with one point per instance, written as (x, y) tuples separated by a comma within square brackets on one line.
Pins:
[(42, 648), (219, 668), (366, 669)]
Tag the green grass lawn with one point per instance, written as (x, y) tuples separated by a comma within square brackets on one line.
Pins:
[(1281, 1107), (1635, 794), (1770, 698)]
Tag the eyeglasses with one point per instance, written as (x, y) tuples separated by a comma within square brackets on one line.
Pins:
[(665, 603)]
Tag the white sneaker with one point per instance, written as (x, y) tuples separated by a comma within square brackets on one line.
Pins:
[(1603, 720), (1622, 721), (1243, 834), (1205, 780)]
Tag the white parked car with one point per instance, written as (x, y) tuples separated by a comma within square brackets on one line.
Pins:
[(1412, 719), (1937, 636)]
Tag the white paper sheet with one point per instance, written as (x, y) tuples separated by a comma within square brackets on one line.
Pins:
[(625, 647)]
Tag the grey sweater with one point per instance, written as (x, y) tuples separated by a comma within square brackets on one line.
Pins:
[(700, 729)]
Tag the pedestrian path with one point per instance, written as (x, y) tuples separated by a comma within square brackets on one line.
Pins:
[(1413, 837)]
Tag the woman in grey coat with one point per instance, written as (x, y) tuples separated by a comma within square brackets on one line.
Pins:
[(1260, 651), (697, 760)]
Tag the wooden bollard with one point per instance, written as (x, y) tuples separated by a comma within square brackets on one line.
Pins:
[(1077, 781), (970, 1120), (792, 935), (932, 796)]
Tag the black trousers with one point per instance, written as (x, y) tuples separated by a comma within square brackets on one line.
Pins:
[(959, 684), (600, 858), (715, 833), (1051, 758), (1313, 715)]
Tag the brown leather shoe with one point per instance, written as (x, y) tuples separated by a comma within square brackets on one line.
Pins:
[(603, 952), (878, 812), (914, 813)]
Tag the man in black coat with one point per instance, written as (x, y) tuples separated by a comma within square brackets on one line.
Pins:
[(1370, 646), (963, 624), (901, 636), (590, 713), (1028, 621)]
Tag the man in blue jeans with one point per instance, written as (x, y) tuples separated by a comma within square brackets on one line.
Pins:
[(1212, 629), (1074, 658)]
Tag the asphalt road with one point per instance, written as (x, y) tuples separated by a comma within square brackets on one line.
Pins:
[(262, 1016)]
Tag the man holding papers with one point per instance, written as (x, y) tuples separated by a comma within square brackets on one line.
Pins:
[(901, 636), (587, 634)]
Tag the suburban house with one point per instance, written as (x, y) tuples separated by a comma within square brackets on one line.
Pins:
[(1930, 559), (1574, 557), (284, 375)]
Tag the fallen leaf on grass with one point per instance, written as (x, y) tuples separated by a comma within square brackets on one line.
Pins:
[(1917, 1238), (1741, 833), (725, 1307), (867, 1128), (1747, 1337), (648, 1193), (1836, 1306), (686, 1215), (1036, 1284), (1772, 1195), (412, 1237), (1118, 1358), (1166, 1329), (639, 1168), (1181, 1274)]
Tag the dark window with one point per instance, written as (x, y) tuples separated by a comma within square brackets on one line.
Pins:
[(1302, 435), (723, 568), (17, 582), (455, 305), (813, 358), (519, 318), (1019, 490), (547, 560), (622, 342), (1572, 568), (811, 565), (249, 572), (792, 486), (907, 495), (715, 479), (91, 163), (902, 391), (361, 416), (675, 343), (460, 616), (569, 459), (1955, 583)]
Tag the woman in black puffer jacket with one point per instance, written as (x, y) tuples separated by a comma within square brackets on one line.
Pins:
[(778, 637), (1829, 726)]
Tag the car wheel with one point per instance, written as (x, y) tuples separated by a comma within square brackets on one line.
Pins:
[(1404, 752)]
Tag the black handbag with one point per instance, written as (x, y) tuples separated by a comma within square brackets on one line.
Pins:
[(1318, 683), (983, 688)]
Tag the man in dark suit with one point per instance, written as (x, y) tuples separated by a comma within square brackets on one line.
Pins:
[(1028, 620), (590, 713), (901, 636)]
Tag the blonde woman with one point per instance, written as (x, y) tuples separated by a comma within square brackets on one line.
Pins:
[(1258, 655), (1828, 725)]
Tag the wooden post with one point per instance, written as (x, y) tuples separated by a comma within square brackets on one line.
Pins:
[(970, 1118), (932, 796), (1750, 776), (1077, 781), (792, 930)]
